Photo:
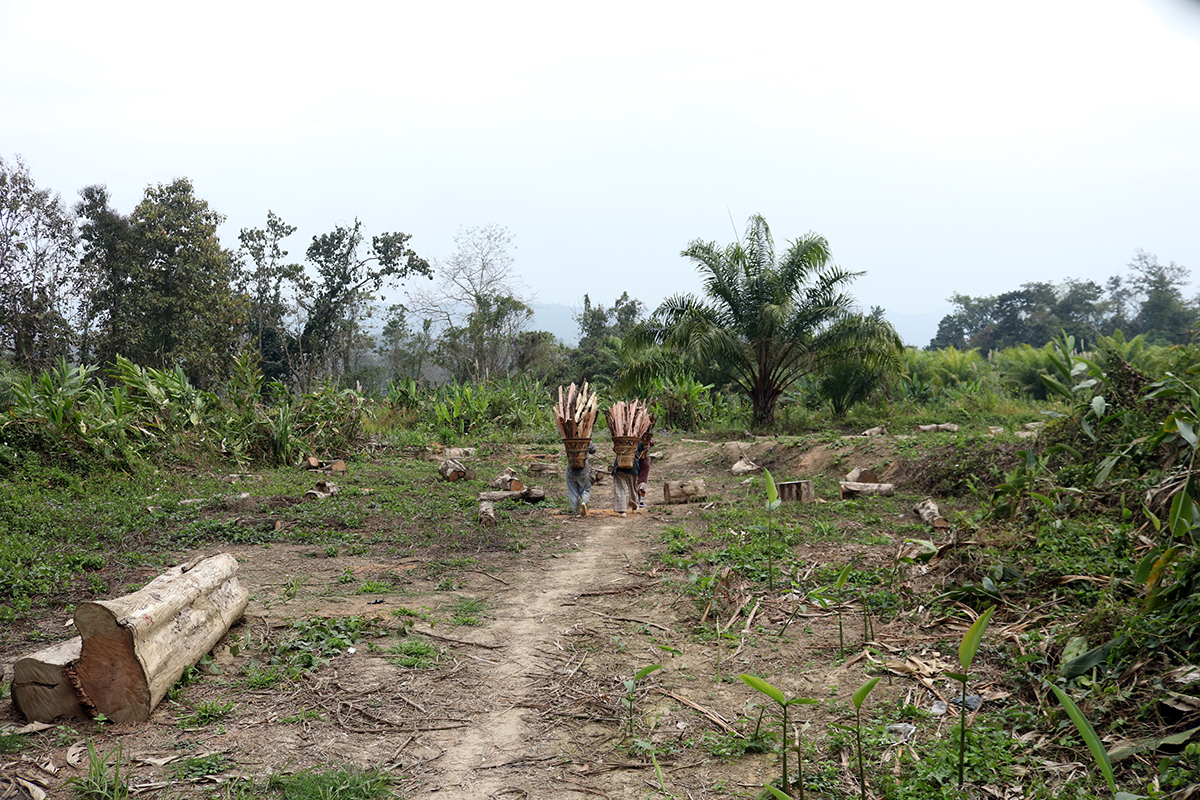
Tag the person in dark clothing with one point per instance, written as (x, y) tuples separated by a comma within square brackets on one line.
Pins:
[(579, 484), (644, 471)]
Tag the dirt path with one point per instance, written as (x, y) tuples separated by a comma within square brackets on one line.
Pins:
[(530, 620)]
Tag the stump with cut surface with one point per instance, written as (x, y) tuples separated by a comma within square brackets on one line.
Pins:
[(796, 491), (684, 491), (42, 689), (135, 647), (507, 481), (848, 489), (861, 475)]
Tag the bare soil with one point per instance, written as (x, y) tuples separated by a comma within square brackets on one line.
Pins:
[(527, 704)]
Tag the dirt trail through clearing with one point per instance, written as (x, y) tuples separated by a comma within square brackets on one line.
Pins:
[(479, 761)]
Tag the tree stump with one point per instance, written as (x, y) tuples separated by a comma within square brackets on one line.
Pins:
[(42, 689), (928, 511), (861, 475), (135, 647), (487, 514), (684, 491), (796, 491), (848, 489)]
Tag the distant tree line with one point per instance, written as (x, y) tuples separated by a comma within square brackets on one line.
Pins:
[(1149, 300), (155, 285)]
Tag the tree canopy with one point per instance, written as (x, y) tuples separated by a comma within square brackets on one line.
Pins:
[(763, 324)]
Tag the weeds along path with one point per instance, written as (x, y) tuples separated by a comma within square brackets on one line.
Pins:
[(501, 750)]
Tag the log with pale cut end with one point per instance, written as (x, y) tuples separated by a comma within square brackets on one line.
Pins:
[(42, 689), (878, 430), (487, 514), (684, 491), (862, 475), (928, 511), (507, 481), (796, 491), (530, 494), (543, 469), (848, 489), (312, 462), (135, 647), (452, 470), (744, 466)]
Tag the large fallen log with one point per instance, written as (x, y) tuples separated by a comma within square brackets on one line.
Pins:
[(684, 491), (42, 689), (530, 494), (135, 647), (928, 511), (848, 489), (944, 427), (796, 491), (487, 514), (542, 469)]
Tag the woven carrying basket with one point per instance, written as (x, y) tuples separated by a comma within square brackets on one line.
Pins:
[(626, 449), (577, 452)]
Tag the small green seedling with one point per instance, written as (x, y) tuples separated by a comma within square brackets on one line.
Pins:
[(858, 699), (631, 688), (759, 685), (966, 654), (838, 585), (1093, 742)]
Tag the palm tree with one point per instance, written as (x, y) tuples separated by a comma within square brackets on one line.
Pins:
[(762, 324)]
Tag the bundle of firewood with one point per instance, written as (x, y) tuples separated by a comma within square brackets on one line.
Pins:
[(628, 419), (575, 413)]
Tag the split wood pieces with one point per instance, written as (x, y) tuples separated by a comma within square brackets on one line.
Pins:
[(132, 649), (575, 414)]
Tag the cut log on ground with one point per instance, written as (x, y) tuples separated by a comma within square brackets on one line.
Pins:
[(452, 470), (312, 462), (744, 466), (878, 430), (530, 494), (42, 689), (944, 427), (487, 514), (862, 475), (684, 491), (339, 467), (796, 491), (460, 452), (322, 491), (508, 481), (928, 511), (543, 469), (848, 489), (135, 647)]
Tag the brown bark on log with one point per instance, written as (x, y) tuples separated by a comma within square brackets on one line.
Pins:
[(42, 689), (312, 462), (530, 494), (684, 491), (928, 511), (862, 475), (847, 489), (487, 514), (796, 491), (135, 647), (507, 481), (451, 470)]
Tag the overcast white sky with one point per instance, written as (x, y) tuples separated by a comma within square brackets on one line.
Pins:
[(940, 146)]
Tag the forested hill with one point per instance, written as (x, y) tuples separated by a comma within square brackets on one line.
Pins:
[(1149, 299)]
